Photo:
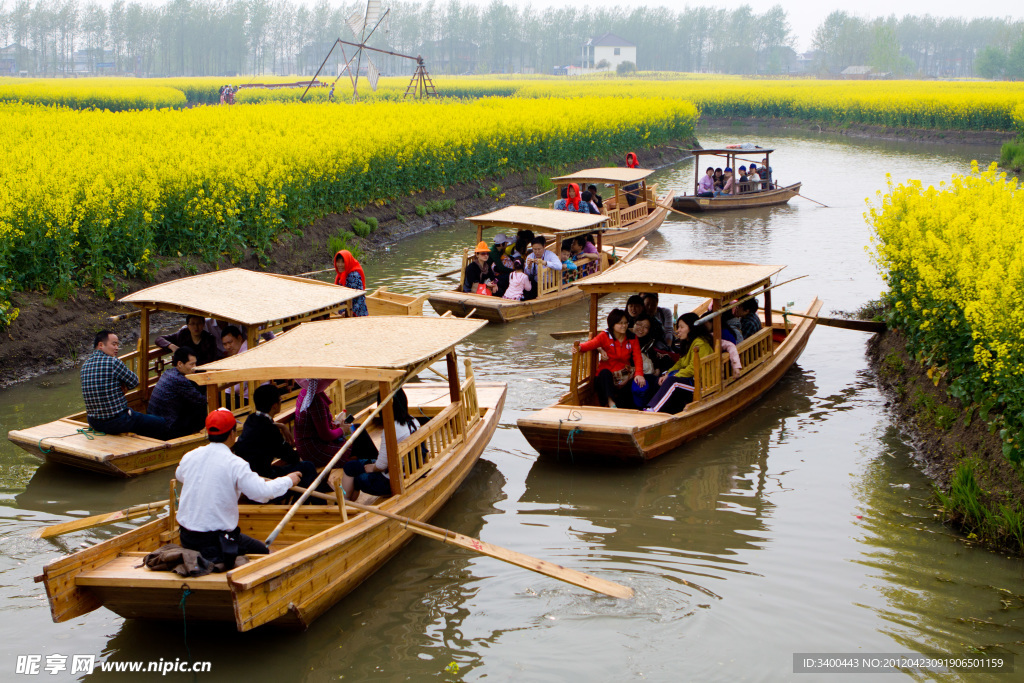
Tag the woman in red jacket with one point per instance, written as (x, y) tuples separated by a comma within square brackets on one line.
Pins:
[(622, 350)]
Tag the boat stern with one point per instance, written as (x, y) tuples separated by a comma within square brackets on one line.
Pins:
[(593, 434)]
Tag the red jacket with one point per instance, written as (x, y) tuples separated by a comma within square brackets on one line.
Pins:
[(620, 354)]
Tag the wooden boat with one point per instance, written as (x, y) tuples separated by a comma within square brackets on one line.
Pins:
[(626, 224), (261, 302), (634, 436), (319, 556), (751, 195), (553, 291)]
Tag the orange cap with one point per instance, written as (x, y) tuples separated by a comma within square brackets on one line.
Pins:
[(482, 248)]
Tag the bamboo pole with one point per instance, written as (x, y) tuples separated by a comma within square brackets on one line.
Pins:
[(555, 571), (811, 200), (712, 316), (683, 213)]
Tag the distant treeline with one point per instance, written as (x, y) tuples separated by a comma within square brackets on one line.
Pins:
[(229, 37)]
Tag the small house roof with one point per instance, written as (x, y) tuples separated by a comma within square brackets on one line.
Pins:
[(546, 220), (610, 40), (244, 296), (715, 279), (378, 348), (606, 175), (737, 152)]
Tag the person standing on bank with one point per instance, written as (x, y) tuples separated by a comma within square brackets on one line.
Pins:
[(212, 478), (105, 379)]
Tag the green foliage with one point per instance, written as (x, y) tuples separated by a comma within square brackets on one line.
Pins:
[(625, 68), (932, 412), (1012, 154), (421, 211), (967, 503), (363, 228), (990, 62), (340, 242)]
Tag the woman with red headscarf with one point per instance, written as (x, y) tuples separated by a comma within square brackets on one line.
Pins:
[(631, 161), (571, 201), (350, 274), (632, 191)]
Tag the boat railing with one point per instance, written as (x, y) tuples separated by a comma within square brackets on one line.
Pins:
[(753, 352), (632, 213), (707, 378), (445, 432), (580, 374), (155, 366), (652, 195), (549, 280), (468, 397)]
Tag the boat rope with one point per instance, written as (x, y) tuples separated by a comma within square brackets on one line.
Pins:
[(185, 592), (574, 416), (87, 432)]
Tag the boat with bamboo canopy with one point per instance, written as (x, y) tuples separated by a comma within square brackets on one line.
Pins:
[(318, 553), (627, 222), (554, 290), (750, 195), (590, 432), (256, 302)]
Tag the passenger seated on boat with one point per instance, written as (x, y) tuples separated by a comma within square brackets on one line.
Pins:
[(540, 254), (235, 343), (518, 282), (719, 181), (623, 367), (595, 197), (754, 179), (660, 315), (194, 336), (706, 186), (676, 385), (177, 399), (104, 381), (742, 180), (746, 311), (370, 475), (570, 271), (573, 200), (588, 199), (479, 272), (634, 308), (266, 445), (584, 260), (766, 175), (523, 245), (733, 325), (501, 261), (318, 434), (657, 358), (729, 186), (728, 342), (212, 478)]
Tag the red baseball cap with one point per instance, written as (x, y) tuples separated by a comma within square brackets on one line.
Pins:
[(220, 421)]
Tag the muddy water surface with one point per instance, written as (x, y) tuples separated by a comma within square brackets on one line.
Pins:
[(803, 526)]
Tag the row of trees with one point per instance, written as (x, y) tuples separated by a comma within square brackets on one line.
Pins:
[(913, 45), (227, 37)]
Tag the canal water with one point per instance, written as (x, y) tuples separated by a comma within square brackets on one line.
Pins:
[(804, 526)]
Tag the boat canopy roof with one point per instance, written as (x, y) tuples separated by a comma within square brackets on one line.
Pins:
[(714, 279), (605, 175), (244, 296), (380, 348), (724, 152), (546, 220)]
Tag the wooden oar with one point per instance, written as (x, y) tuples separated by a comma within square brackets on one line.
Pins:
[(811, 200), (125, 316), (720, 311), (99, 520), (570, 334), (448, 273), (683, 213), (555, 571), (861, 325)]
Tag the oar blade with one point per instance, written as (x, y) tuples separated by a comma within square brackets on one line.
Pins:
[(569, 334), (556, 571), (77, 525), (847, 324)]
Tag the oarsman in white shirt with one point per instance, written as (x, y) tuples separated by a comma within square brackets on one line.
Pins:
[(212, 478)]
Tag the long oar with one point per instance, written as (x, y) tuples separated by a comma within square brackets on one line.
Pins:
[(811, 200), (448, 273), (99, 520), (720, 311), (683, 213), (569, 334), (843, 323), (555, 571)]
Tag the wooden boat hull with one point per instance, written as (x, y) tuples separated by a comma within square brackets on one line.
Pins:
[(593, 434), (495, 309), (753, 200), (320, 559), (381, 301), (635, 231)]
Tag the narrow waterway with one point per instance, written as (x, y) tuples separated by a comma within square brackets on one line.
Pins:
[(802, 527)]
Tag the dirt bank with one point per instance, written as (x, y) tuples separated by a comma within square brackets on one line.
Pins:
[(946, 436), (53, 335), (861, 130)]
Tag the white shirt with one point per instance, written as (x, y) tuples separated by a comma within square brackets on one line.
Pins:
[(550, 260), (212, 477), (402, 431)]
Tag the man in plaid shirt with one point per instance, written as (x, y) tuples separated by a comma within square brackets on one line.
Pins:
[(104, 380)]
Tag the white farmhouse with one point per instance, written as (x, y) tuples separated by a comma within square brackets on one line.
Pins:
[(609, 48)]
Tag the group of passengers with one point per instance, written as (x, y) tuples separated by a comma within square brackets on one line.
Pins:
[(647, 364), (715, 182), (588, 201), (509, 269)]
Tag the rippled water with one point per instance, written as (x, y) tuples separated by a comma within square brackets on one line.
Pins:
[(803, 526)]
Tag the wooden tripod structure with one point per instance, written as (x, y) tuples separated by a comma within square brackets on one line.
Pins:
[(421, 84)]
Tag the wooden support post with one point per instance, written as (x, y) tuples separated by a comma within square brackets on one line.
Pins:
[(696, 375), (593, 331), (212, 397), (768, 309), (453, 376), (395, 473), (144, 355), (252, 341), (716, 326), (172, 506)]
